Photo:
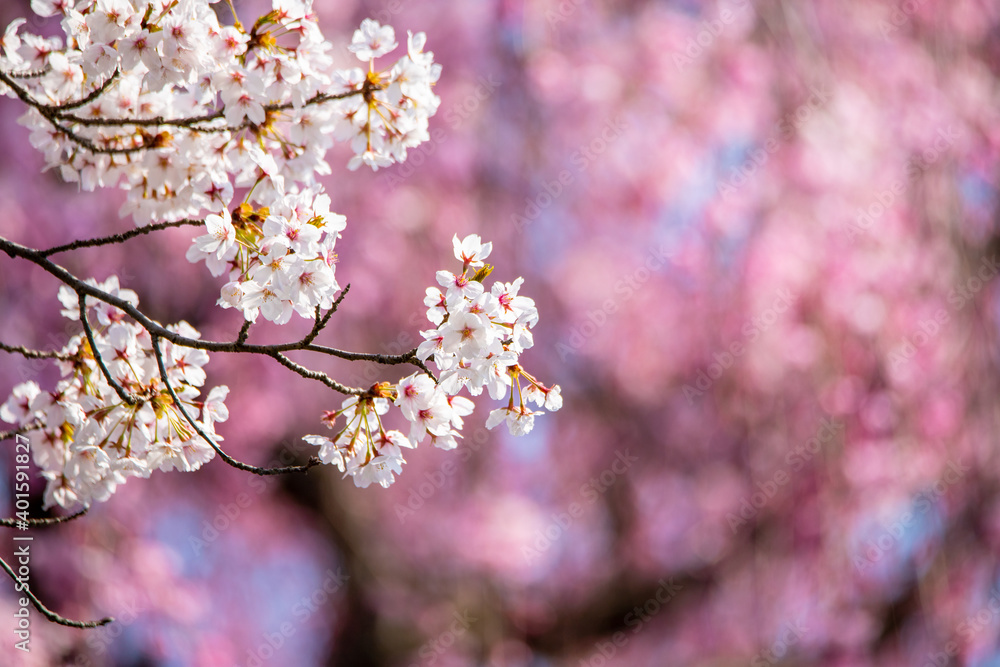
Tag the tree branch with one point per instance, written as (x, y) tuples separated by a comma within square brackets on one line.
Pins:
[(211, 441), (21, 92), (387, 359), (116, 238), (315, 375), (241, 338), (126, 396), (322, 321), (93, 95), (20, 430), (34, 256), (28, 74), (46, 612), (56, 113), (51, 521), (33, 354), (191, 121), (94, 148)]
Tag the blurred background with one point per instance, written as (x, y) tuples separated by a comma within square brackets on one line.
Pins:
[(763, 241)]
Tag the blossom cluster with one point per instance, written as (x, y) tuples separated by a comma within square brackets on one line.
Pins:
[(196, 118), (91, 440), (279, 260), (160, 99), (478, 338)]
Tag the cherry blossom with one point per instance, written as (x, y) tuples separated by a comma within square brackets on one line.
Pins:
[(91, 441)]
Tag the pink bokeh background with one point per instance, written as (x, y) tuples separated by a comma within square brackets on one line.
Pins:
[(761, 237)]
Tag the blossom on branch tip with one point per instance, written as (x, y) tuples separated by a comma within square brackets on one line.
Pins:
[(520, 420), (471, 251), (372, 40)]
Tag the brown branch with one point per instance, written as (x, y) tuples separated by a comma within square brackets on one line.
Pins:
[(321, 322), (56, 115), (116, 238), (191, 121), (46, 612), (21, 92), (91, 146), (225, 457), (16, 250), (315, 375), (20, 430), (52, 116), (94, 94), (244, 332), (51, 521), (126, 396), (386, 359), (28, 74), (34, 354), (419, 363)]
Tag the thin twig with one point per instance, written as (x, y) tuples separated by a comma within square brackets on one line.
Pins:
[(386, 359), (419, 363), (117, 238), (211, 441), (191, 121), (46, 612), (53, 119), (21, 430), (50, 521), (28, 74), (126, 396), (56, 116), (323, 321), (94, 94), (34, 354), (20, 91), (244, 332), (94, 148), (316, 375)]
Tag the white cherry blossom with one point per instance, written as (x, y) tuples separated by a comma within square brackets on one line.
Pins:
[(204, 121)]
